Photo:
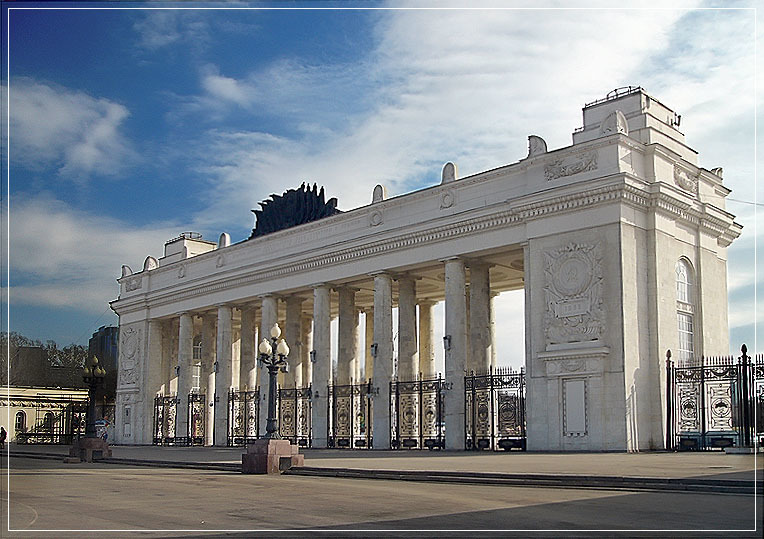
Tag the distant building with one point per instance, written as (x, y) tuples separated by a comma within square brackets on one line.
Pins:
[(104, 345), (44, 415), (30, 367)]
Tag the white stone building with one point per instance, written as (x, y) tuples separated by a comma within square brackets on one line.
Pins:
[(618, 240)]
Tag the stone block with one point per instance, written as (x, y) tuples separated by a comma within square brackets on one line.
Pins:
[(270, 457), (89, 449)]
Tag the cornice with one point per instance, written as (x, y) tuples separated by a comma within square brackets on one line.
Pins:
[(514, 213)]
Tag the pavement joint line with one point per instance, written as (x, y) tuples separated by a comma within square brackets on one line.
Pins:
[(720, 486)]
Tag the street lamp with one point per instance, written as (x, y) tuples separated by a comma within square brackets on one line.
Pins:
[(93, 376), (273, 355)]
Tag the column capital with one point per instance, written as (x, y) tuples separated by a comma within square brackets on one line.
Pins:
[(452, 259), (346, 287), (381, 273), (405, 275), (426, 302), (321, 285), (478, 263)]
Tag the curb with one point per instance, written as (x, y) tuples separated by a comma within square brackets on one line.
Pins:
[(720, 486), (731, 486)]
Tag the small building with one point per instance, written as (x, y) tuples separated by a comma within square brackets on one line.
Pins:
[(44, 415)]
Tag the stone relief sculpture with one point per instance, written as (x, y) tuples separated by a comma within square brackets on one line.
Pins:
[(615, 122), (294, 207), (570, 166), (536, 145), (130, 356), (683, 179), (573, 294), (133, 284)]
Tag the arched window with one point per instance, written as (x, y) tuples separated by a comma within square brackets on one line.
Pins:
[(21, 421), (685, 309), (197, 348)]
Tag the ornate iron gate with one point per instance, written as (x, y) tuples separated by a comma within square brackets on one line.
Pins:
[(494, 410), (196, 418), (243, 417), (350, 416), (416, 414), (711, 402), (294, 409), (165, 408)]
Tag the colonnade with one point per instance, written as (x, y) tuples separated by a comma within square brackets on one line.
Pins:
[(228, 336)]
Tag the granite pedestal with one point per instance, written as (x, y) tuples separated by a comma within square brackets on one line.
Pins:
[(268, 456)]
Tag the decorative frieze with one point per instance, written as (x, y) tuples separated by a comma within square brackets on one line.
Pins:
[(573, 294), (568, 166), (133, 283)]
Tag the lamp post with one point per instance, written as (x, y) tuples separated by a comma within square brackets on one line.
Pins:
[(273, 355), (93, 375)]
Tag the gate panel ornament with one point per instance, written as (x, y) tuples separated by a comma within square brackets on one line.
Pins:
[(573, 294)]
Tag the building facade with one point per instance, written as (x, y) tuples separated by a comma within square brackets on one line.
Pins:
[(618, 241)]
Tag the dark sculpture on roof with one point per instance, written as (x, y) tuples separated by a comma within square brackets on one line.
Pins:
[(294, 207)]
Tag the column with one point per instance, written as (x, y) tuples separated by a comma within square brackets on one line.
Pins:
[(356, 371), (480, 318), (307, 345), (269, 313), (155, 379), (185, 357), (223, 374), (456, 351), (347, 350), (492, 328), (293, 336), (248, 349), (426, 349), (166, 370), (322, 368), (368, 367), (408, 355), (207, 381), (383, 362)]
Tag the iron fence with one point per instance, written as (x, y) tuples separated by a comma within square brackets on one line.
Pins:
[(243, 417), (294, 409), (494, 410), (165, 412), (712, 402), (349, 409), (56, 423), (416, 414), (196, 418)]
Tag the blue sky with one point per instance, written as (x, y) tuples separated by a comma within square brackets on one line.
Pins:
[(128, 126)]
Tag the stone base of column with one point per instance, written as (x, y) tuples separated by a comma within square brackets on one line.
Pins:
[(268, 456), (88, 450)]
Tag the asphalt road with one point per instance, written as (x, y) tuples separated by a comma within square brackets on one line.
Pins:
[(52, 499)]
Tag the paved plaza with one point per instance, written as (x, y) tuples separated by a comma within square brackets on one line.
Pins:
[(166, 497)]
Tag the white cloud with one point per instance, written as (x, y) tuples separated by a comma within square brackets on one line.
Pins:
[(158, 29), (60, 256), (467, 86), (67, 129)]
